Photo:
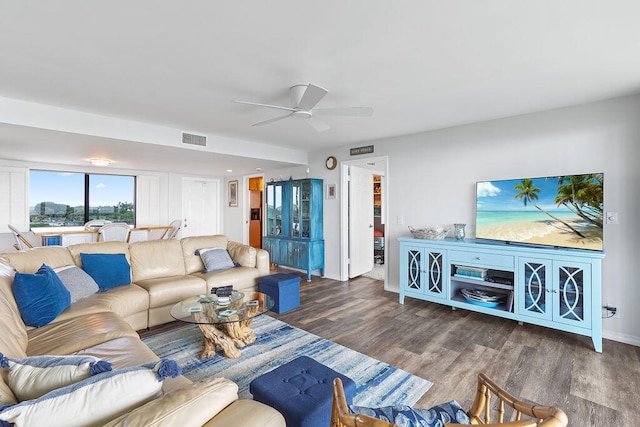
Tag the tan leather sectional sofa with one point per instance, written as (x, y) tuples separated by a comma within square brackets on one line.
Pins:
[(104, 324)]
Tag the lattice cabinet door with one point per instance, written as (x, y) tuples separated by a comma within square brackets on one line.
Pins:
[(535, 288), (425, 271), (572, 293)]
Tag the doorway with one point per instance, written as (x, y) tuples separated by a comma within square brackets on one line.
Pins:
[(200, 207), (363, 218), (255, 212)]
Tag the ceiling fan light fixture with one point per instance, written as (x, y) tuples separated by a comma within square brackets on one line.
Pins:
[(100, 162)]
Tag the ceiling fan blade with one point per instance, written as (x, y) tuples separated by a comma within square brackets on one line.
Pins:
[(266, 105), (312, 95), (317, 124), (275, 119), (347, 111)]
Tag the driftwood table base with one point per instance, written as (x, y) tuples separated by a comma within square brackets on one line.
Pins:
[(226, 336)]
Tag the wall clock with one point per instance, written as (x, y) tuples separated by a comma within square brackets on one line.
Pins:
[(331, 162)]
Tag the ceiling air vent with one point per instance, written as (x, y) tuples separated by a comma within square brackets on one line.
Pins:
[(192, 139)]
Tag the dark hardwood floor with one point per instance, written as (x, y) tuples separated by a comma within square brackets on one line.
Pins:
[(449, 347)]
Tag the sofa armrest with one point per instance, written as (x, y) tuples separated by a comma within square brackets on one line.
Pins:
[(247, 413), (193, 405), (262, 262)]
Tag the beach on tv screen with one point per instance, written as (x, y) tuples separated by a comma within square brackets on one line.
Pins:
[(560, 211)]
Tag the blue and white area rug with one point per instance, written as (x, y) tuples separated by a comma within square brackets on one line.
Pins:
[(378, 384)]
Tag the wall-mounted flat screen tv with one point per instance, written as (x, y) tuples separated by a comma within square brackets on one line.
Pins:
[(560, 211)]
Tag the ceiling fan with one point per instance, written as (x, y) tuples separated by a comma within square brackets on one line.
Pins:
[(304, 98)]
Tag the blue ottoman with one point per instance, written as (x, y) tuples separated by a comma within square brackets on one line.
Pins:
[(302, 391), (283, 288)]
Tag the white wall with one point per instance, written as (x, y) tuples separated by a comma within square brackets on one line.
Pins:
[(432, 178)]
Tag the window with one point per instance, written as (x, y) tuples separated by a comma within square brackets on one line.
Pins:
[(71, 199)]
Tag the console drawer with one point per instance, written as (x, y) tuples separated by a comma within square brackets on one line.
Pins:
[(482, 259)]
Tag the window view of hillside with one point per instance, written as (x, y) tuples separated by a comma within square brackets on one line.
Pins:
[(58, 199)]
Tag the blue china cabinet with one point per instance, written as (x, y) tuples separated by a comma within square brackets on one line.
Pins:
[(294, 229)]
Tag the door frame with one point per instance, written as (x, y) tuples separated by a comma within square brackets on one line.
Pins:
[(245, 206), (344, 209)]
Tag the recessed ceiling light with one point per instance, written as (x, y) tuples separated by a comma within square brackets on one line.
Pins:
[(229, 170), (258, 169), (100, 162)]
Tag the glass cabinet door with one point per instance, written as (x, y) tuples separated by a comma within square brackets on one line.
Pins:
[(274, 209), (295, 211), (305, 201), (572, 298), (535, 288), (425, 271)]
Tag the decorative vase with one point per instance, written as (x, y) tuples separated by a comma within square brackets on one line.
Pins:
[(458, 232)]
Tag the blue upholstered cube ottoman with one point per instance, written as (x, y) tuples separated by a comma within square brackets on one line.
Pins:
[(283, 288), (302, 391)]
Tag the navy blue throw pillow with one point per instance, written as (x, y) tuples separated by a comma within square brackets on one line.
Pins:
[(108, 270), (41, 297)]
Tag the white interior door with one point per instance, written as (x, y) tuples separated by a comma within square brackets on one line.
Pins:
[(200, 207), (360, 221)]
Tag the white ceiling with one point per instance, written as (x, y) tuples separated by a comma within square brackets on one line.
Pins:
[(420, 64)]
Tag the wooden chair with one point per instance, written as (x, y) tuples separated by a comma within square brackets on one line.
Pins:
[(481, 413), (95, 224), (340, 416), (175, 225), (26, 240), (118, 232)]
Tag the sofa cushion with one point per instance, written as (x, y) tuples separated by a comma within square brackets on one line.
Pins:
[(244, 255), (241, 278), (246, 412), (156, 258), (215, 259), (41, 296), (31, 260), (192, 405), (31, 377), (171, 290), (95, 400), (108, 270), (71, 335), (109, 247), (192, 262), (77, 281)]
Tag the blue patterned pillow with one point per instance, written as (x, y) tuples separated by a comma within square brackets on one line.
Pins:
[(406, 416), (41, 297)]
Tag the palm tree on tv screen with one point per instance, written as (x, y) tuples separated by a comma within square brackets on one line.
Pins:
[(528, 192), (582, 195)]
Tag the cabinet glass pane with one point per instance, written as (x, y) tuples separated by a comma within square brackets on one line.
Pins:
[(305, 201), (571, 288), (436, 277), (414, 269), (274, 209), (295, 216), (535, 295)]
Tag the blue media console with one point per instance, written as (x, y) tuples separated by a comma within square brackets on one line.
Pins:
[(556, 288)]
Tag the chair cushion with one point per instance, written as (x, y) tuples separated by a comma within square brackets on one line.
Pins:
[(31, 377), (40, 296), (95, 400), (108, 270), (406, 416), (78, 283)]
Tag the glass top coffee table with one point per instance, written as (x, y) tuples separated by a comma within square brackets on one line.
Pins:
[(224, 323)]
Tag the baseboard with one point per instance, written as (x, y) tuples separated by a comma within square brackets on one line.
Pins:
[(623, 338)]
